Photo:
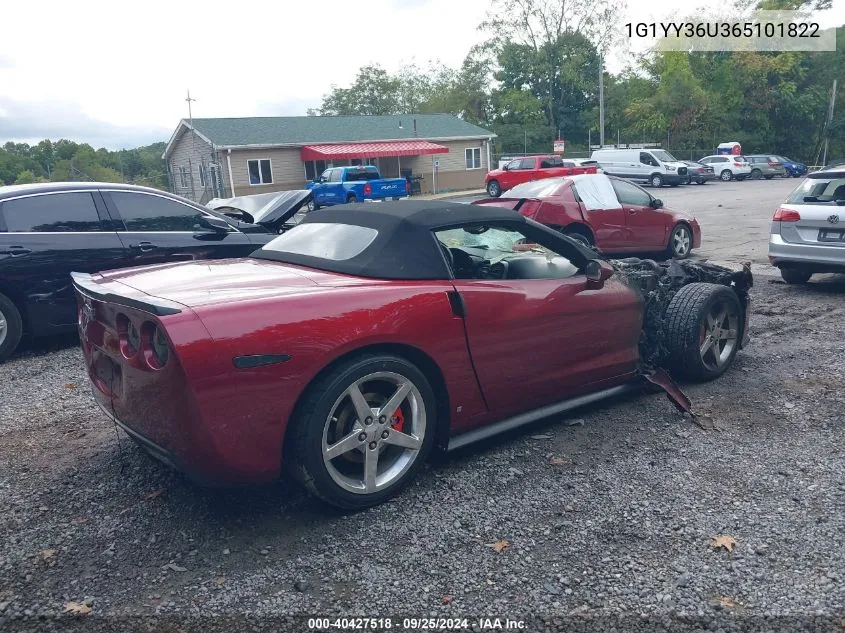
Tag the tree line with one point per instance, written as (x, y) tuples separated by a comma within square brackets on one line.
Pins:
[(536, 78), (63, 160)]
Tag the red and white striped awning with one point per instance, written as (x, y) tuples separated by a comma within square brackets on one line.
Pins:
[(371, 150)]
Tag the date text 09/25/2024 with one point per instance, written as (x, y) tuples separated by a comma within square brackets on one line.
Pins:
[(415, 624)]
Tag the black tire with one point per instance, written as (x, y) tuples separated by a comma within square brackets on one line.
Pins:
[(579, 234), (656, 180), (351, 198), (756, 174), (680, 242), (494, 189), (304, 443), (726, 175), (686, 323), (11, 327), (795, 275), (312, 205)]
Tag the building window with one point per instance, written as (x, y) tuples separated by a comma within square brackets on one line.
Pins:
[(473, 157), (183, 177), (202, 175), (260, 172)]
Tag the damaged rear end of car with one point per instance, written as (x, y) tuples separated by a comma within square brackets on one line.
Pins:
[(143, 354)]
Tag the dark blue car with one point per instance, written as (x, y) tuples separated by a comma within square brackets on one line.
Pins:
[(793, 168)]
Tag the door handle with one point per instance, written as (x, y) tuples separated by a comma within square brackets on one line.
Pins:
[(632, 212), (143, 246), (16, 251)]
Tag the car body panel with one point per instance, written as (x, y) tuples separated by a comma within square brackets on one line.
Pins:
[(768, 165)]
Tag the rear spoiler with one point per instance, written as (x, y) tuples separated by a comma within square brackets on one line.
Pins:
[(87, 286)]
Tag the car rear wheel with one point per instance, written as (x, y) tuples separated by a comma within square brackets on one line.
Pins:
[(351, 198), (494, 190), (680, 242), (11, 327), (656, 180), (726, 175), (703, 328), (362, 431), (756, 174), (795, 275)]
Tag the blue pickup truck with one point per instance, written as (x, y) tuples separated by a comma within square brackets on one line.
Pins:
[(340, 185)]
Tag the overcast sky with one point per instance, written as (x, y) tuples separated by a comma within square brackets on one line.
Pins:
[(114, 74)]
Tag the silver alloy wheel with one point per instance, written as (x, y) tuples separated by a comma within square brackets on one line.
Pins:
[(718, 336), (726, 175), (681, 241), (363, 450), (656, 181), (4, 328), (493, 189)]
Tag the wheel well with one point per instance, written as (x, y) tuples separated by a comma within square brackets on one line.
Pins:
[(677, 224), (351, 195), (655, 173), (424, 363), (19, 302), (577, 227)]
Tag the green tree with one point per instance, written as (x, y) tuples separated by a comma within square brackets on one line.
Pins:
[(25, 177)]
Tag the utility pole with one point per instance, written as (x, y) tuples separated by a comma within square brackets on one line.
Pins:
[(829, 121), (601, 99), (193, 141), (525, 146)]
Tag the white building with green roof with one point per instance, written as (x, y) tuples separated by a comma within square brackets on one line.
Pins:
[(212, 158)]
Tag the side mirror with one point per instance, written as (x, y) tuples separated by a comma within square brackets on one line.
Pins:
[(504, 167), (656, 203), (597, 273)]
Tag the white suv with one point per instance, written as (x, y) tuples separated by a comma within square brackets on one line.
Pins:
[(727, 167)]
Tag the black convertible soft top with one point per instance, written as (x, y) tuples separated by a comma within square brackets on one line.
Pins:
[(405, 247)]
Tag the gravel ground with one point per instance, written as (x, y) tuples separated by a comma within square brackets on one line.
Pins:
[(608, 513)]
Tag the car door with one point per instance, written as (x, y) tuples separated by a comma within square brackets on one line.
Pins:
[(43, 238), (516, 173), (157, 229), (646, 227), (602, 211), (539, 340)]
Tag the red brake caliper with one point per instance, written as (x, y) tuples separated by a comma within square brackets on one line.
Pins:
[(398, 420)]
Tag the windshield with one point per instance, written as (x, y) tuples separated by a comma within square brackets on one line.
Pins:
[(538, 189), (327, 241), (819, 191), (663, 155)]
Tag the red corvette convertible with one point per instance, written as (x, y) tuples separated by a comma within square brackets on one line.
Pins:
[(351, 345), (612, 214)]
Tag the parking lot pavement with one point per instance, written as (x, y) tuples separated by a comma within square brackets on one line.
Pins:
[(610, 512), (735, 217)]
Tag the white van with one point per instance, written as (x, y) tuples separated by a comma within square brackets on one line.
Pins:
[(654, 166)]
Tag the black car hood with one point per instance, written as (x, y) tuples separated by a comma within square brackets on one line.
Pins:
[(266, 209)]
